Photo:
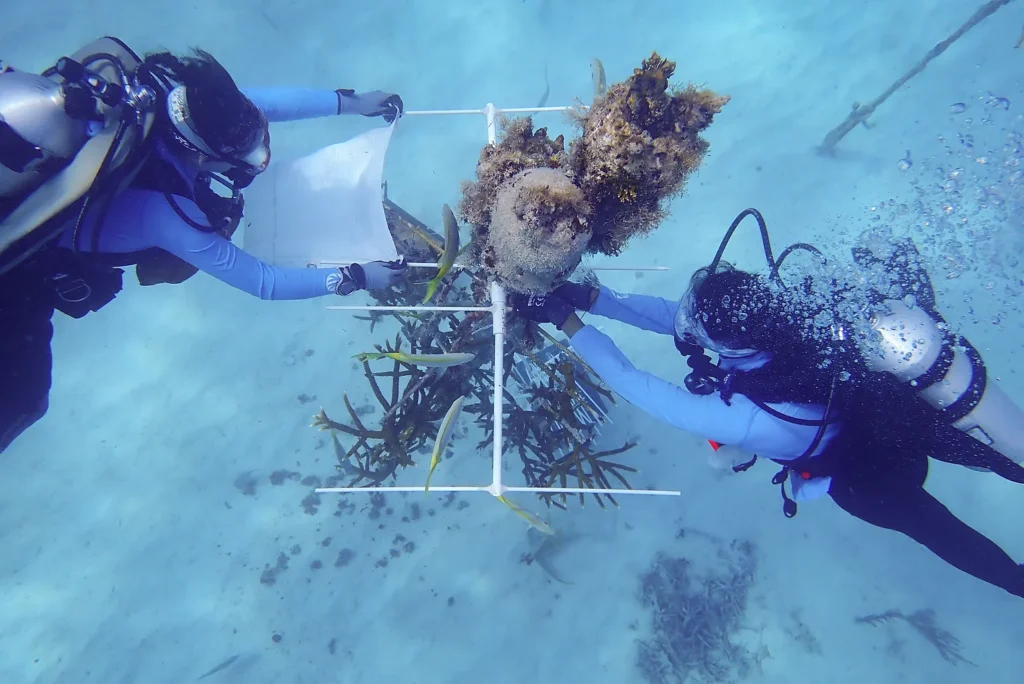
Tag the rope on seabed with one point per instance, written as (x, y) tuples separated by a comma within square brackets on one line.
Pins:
[(861, 113)]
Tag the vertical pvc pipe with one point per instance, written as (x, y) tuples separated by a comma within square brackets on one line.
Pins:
[(491, 112), (498, 315), (498, 318)]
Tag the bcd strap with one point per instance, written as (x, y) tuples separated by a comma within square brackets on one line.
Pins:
[(744, 467), (788, 505), (80, 287), (971, 397), (705, 376)]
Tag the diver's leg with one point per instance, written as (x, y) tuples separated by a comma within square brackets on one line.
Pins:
[(953, 446), (25, 358), (920, 516)]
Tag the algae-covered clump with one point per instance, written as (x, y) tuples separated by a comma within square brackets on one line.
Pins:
[(543, 230), (640, 143), (536, 210)]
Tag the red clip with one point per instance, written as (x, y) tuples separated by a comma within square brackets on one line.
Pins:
[(714, 445)]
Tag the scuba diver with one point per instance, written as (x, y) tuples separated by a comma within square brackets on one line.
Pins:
[(850, 401), (107, 160)]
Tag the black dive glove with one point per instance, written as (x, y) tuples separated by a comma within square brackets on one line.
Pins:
[(373, 103), (541, 308), (580, 296), (375, 275)]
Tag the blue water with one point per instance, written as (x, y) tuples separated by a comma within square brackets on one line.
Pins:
[(139, 520)]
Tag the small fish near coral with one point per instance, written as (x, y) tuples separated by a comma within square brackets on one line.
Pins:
[(444, 435), (344, 464), (534, 521), (598, 78), (547, 90), (425, 360), (451, 250)]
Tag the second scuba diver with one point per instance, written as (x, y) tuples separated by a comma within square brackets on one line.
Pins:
[(851, 409)]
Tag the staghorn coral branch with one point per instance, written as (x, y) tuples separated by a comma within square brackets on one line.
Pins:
[(542, 417), (924, 622), (409, 394), (370, 375), (567, 351), (571, 391)]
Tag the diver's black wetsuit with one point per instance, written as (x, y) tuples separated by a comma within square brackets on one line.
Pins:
[(879, 470), (26, 310)]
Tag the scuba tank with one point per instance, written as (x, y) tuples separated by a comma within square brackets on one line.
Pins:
[(948, 373), (914, 344), (69, 137), (37, 135)]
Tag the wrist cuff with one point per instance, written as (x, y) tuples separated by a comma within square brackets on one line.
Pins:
[(343, 92)]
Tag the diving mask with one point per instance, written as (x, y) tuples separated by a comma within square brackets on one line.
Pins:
[(690, 323), (250, 153)]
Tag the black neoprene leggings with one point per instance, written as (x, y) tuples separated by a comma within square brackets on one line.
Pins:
[(25, 360), (898, 501)]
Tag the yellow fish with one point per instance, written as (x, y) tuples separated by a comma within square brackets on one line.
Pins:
[(425, 360), (344, 464), (451, 250), (597, 76), (535, 522), (444, 435)]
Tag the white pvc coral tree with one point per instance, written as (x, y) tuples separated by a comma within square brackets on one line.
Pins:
[(497, 309)]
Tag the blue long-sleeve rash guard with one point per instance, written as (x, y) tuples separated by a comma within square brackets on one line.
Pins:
[(141, 219), (740, 423)]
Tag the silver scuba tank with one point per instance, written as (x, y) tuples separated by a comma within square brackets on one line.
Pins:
[(37, 137), (948, 373)]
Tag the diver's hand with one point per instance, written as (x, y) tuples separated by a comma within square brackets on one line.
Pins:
[(580, 296), (375, 275), (373, 103), (541, 308), (379, 275)]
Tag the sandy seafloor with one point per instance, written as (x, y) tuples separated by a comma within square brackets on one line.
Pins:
[(130, 555)]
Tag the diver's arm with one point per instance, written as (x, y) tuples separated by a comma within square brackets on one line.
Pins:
[(707, 416), (218, 257), (739, 423), (294, 104), (640, 311)]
